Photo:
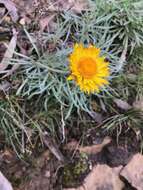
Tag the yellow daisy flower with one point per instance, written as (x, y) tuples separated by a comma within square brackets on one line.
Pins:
[(88, 68)]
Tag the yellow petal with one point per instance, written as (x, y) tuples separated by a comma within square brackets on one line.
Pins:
[(70, 77), (89, 70)]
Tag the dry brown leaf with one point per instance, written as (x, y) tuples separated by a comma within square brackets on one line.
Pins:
[(75, 6), (97, 116), (8, 156), (11, 9), (102, 177), (45, 156), (138, 104), (133, 172), (5, 86), (26, 7), (122, 104), (44, 22), (4, 183), (93, 149), (79, 5), (8, 54)]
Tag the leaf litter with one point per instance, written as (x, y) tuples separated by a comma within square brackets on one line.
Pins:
[(93, 149), (45, 168), (8, 56), (138, 104), (11, 7), (4, 183), (122, 104)]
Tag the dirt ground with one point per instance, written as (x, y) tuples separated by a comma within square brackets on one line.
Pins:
[(49, 171)]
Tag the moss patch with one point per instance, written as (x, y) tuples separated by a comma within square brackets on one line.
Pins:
[(74, 172)]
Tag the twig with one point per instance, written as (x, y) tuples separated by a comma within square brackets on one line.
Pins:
[(123, 55), (62, 124), (53, 147)]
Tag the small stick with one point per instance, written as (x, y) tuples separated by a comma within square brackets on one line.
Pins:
[(52, 147)]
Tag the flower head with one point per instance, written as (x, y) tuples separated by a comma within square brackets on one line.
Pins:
[(89, 70)]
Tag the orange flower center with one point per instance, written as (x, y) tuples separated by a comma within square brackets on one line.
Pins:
[(87, 67)]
